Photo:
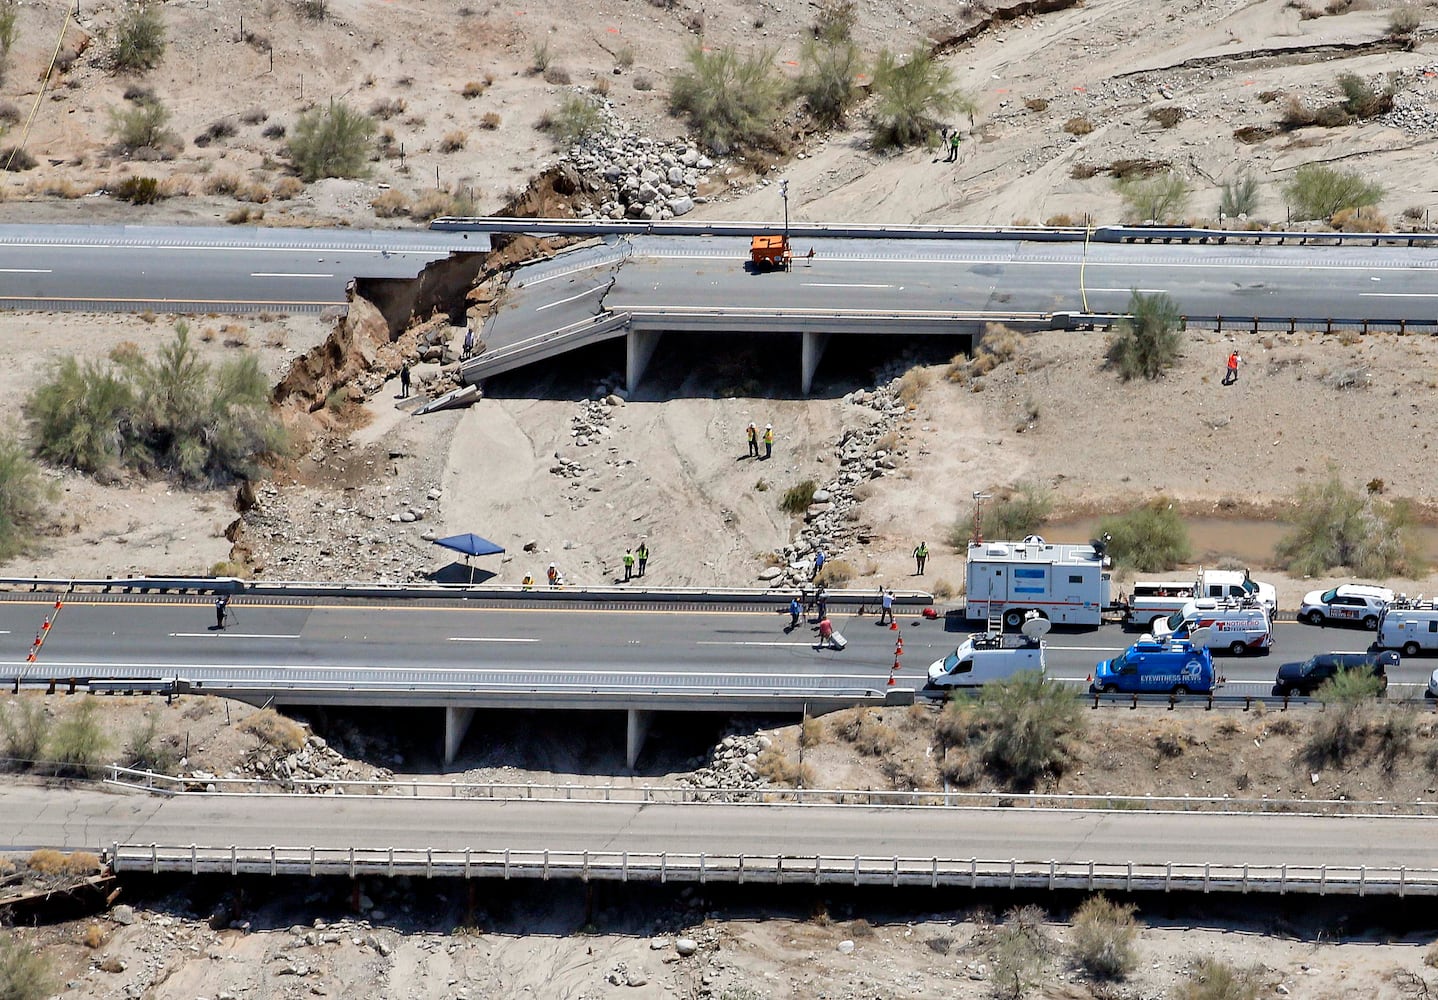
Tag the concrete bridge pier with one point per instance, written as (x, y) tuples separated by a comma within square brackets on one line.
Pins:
[(456, 725), (639, 348), (635, 730), (810, 353)]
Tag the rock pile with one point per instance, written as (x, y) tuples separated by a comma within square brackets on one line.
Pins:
[(832, 520), (639, 177), (315, 761), (733, 766)]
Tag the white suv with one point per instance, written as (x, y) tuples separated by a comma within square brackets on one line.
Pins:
[(1351, 602)]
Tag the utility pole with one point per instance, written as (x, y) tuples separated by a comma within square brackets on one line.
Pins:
[(979, 498)]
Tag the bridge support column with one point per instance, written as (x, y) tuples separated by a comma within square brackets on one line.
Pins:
[(635, 730), (810, 353), (639, 348), (456, 724)]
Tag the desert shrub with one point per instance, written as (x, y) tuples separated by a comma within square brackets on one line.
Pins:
[(77, 743), (915, 93), (557, 75), (1167, 117), (1102, 940), (834, 22), (489, 121), (1430, 956), (797, 498), (224, 185), (9, 31), (333, 141), (26, 728), (729, 99), (1078, 126), (1393, 735), (1146, 343), (1362, 99), (1333, 525), (148, 751), (254, 116), (274, 130), (244, 214), (1021, 727), (138, 190), (253, 192), (313, 10), (46, 861), (1317, 191), (1019, 953), (274, 730), (775, 765), (1149, 538), (1404, 21), (24, 971), (912, 385), (93, 936), (472, 89), (1021, 511), (836, 573), (867, 732), (811, 732), (1341, 731), (24, 494), (141, 125), (1239, 196), (1160, 198), (1213, 979), (175, 415), (1357, 220), (9, 111), (453, 142), (215, 131), (1036, 104), (139, 38), (827, 81), (576, 118), (16, 160), (287, 187), (643, 83), (389, 204)]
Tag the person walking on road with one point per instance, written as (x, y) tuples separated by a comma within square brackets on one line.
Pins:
[(404, 381), (641, 554), (768, 441), (795, 609), (821, 602), (1231, 375), (752, 432), (921, 556), (222, 607), (826, 633), (886, 603), (628, 564)]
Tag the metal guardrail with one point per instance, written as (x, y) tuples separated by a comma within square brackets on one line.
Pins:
[(850, 870), (164, 784), (1250, 324), (1098, 234)]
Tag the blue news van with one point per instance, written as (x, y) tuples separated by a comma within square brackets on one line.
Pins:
[(1175, 666)]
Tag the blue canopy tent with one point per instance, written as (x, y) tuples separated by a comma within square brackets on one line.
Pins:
[(471, 545)]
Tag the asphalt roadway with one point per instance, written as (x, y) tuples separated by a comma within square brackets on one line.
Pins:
[(913, 278), (459, 645), (77, 818), (206, 268)]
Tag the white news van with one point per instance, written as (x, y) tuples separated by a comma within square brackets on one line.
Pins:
[(1151, 600), (991, 657), (1236, 627), (1409, 626), (1063, 583)]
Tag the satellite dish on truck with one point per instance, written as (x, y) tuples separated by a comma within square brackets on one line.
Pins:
[(1036, 626), (1198, 638)]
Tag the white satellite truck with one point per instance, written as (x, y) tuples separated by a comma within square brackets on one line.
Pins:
[(987, 657), (1067, 584)]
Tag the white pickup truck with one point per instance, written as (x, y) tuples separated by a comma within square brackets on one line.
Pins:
[(1153, 600), (984, 658)]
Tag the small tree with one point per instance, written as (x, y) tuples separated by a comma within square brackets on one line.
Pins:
[(9, 31), (77, 742), (1027, 724), (729, 99), (1404, 21), (142, 124), (1102, 940), (1239, 197), (1149, 538), (578, 117), (77, 413), (1021, 512), (1317, 191), (1160, 198), (827, 84), (915, 92), (1146, 343), (1020, 953), (139, 38), (333, 141), (835, 21), (26, 728), (23, 493), (1334, 526), (24, 971)]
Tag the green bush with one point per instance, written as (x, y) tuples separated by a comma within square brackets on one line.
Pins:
[(138, 190), (1022, 727), (1146, 342), (9, 31), (1239, 197), (24, 971), (1334, 525), (914, 94), (1404, 21), (1317, 191), (1160, 198), (835, 21), (827, 83), (730, 100), (142, 124), (334, 141), (1213, 979), (1341, 730), (1101, 942), (148, 751), (1150, 538), (24, 493), (1363, 100), (1022, 512), (139, 38), (1020, 953), (796, 499), (175, 415), (26, 728), (77, 743), (578, 117)]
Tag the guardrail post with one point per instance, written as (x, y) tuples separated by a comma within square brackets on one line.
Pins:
[(194, 861), (933, 878), (1323, 880), (1245, 877), (1282, 879), (274, 862), (1053, 866), (1362, 880), (391, 862), (1205, 876), (896, 870), (312, 861), (506, 864), (1402, 880), (352, 861), (1090, 875), (741, 869), (585, 872), (546, 864), (703, 874), (155, 859), (663, 867), (624, 867), (429, 862), (466, 862), (1013, 872), (973, 872), (1168, 876)]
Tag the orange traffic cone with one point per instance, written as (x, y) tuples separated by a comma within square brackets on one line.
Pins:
[(896, 664), (893, 626), (891, 681)]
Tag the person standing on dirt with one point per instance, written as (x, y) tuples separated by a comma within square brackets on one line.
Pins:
[(222, 608), (1231, 375), (553, 574), (953, 147), (641, 554), (753, 434), (404, 381), (628, 564), (468, 342), (768, 441), (921, 556)]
